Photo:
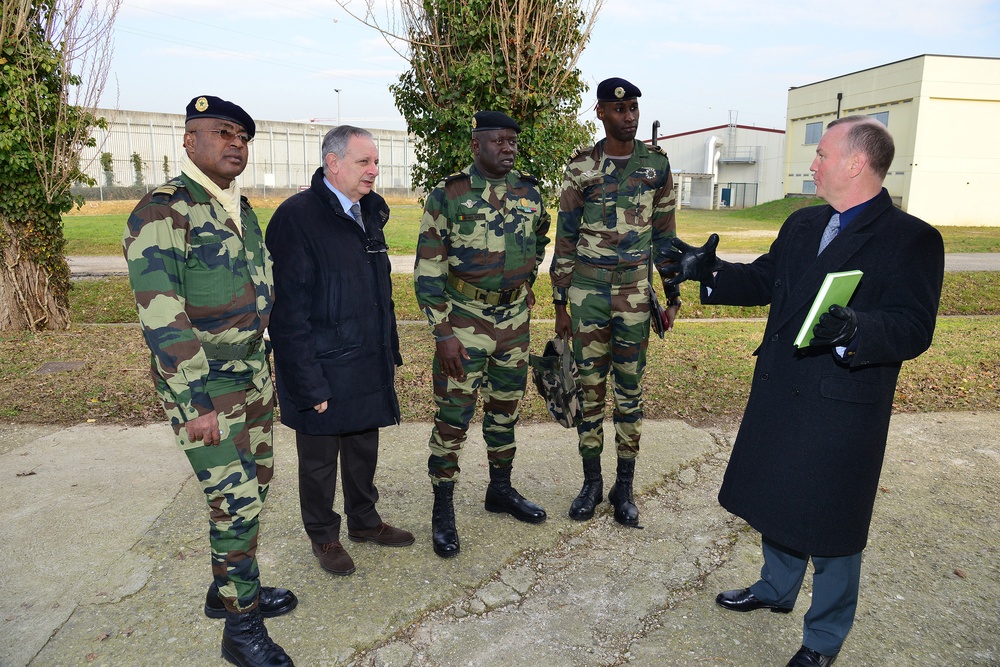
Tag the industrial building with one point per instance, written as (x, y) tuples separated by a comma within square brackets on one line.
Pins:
[(283, 156), (726, 166), (941, 111)]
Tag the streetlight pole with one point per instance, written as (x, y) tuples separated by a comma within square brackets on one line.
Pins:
[(337, 90)]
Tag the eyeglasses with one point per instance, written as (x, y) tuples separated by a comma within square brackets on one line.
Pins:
[(374, 245), (229, 135)]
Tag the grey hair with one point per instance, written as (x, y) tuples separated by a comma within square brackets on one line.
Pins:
[(870, 137), (336, 139)]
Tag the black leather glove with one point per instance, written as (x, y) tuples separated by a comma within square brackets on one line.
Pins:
[(836, 327), (692, 263)]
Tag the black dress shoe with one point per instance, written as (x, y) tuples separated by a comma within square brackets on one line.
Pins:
[(806, 657), (744, 600), (271, 601)]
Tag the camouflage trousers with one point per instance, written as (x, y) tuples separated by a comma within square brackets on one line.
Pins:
[(234, 477), (610, 334), (496, 339)]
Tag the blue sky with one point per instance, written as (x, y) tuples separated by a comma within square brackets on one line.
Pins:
[(695, 61)]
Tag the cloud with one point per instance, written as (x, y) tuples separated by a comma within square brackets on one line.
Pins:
[(357, 74), (695, 49)]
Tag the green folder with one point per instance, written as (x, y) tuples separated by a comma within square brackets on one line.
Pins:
[(837, 288)]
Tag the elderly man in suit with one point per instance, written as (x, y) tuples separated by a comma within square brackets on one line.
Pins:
[(336, 346), (805, 465)]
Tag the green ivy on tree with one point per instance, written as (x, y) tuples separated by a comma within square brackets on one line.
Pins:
[(34, 116), (137, 166), (108, 166), (514, 56)]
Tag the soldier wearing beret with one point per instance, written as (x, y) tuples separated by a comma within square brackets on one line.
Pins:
[(203, 290), (617, 202), (482, 238)]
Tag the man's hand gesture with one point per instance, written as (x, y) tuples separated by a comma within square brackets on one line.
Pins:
[(690, 263)]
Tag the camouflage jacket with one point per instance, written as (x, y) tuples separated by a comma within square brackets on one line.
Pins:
[(491, 236), (198, 278), (608, 218)]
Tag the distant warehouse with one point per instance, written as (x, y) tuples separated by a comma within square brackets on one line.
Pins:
[(139, 150), (726, 166), (942, 111)]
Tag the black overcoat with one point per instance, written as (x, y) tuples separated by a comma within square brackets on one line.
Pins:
[(805, 465), (333, 326)]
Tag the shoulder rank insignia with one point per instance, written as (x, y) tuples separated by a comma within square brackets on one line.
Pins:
[(529, 177), (578, 151), (656, 149), (456, 175), (164, 193)]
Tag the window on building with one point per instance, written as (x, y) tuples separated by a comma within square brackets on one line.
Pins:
[(882, 117), (813, 132), (808, 187)]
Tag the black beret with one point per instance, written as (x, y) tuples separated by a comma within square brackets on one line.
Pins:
[(493, 120), (615, 88), (207, 106)]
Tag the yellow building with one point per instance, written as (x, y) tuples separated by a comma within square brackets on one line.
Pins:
[(944, 114)]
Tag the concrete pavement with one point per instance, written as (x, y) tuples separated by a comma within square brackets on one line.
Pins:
[(104, 558), (97, 266)]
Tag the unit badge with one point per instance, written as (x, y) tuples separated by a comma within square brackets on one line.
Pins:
[(468, 203), (619, 92), (201, 104)]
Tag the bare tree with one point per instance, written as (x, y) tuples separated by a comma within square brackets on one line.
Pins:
[(517, 56), (57, 55)]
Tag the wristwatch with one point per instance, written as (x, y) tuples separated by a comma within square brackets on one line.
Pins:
[(674, 301)]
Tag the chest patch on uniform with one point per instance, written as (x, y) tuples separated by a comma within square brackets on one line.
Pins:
[(474, 216), (468, 203), (526, 206), (647, 172)]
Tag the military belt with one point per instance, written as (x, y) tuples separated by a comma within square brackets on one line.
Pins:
[(615, 277), (494, 298), (231, 351)]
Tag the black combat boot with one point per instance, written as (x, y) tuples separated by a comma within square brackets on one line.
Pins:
[(626, 513), (582, 507), (443, 531), (272, 602), (245, 642), (502, 497)]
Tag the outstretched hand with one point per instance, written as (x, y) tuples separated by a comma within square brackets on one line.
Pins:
[(691, 263), (836, 327)]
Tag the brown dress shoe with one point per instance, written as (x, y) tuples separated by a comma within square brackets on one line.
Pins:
[(333, 558), (383, 534)]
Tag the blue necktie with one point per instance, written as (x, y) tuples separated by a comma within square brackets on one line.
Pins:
[(356, 212), (832, 228)]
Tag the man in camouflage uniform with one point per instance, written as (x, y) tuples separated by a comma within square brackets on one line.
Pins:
[(617, 201), (482, 237), (203, 289)]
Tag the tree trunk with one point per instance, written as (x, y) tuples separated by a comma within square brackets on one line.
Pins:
[(28, 298)]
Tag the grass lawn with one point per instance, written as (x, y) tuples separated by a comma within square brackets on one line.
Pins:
[(699, 373), (97, 229)]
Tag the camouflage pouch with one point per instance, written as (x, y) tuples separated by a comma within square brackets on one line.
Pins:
[(558, 381)]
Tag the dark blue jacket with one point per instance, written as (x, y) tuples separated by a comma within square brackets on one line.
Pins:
[(805, 465), (333, 326)]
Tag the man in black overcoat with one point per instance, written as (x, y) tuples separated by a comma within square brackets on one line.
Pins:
[(805, 465), (336, 347)]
